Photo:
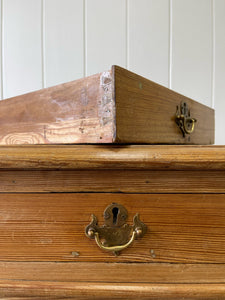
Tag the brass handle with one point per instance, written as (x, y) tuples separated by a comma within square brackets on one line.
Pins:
[(187, 122), (114, 248), (115, 234), (183, 119)]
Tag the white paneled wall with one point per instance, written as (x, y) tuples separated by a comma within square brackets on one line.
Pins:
[(177, 43), (63, 47), (21, 46), (148, 39), (219, 69), (105, 38), (192, 49)]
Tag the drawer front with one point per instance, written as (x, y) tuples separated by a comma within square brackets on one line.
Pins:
[(51, 227)]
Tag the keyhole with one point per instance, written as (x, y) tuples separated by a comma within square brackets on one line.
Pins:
[(115, 211)]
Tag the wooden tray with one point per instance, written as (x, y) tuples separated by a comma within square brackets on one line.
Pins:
[(116, 106)]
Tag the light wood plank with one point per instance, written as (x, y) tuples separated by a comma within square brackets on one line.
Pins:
[(52, 157), (15, 290), (148, 39), (192, 49), (22, 47), (105, 34), (163, 273), (219, 70), (183, 228), (114, 181), (63, 41), (80, 111), (145, 113)]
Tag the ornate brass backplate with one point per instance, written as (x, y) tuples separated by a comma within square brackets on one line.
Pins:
[(115, 235), (184, 120)]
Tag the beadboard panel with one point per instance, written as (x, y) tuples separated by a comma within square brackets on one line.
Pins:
[(219, 92), (177, 43), (63, 40), (22, 46), (105, 34), (1, 85), (148, 47), (192, 49)]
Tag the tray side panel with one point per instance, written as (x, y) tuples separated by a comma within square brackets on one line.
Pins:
[(145, 113), (80, 111)]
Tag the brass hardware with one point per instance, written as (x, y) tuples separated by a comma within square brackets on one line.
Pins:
[(115, 235), (184, 120)]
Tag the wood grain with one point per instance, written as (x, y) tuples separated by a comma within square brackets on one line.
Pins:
[(83, 280), (50, 227), (145, 113), (116, 106), (80, 111), (163, 273), (114, 181), (70, 290), (157, 157)]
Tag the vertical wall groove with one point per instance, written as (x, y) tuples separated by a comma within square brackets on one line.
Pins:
[(127, 33), (2, 51), (170, 55), (85, 38), (213, 53), (1, 59), (43, 44)]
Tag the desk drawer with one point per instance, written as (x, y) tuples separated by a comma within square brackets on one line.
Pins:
[(51, 227)]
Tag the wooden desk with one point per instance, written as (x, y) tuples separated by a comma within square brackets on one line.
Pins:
[(48, 194)]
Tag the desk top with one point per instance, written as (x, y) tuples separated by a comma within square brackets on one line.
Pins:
[(50, 157)]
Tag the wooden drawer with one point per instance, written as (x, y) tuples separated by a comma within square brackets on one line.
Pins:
[(51, 227), (116, 106), (47, 197)]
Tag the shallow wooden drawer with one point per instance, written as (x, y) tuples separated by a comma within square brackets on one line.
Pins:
[(116, 106), (51, 227)]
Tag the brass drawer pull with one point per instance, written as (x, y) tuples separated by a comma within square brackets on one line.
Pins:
[(184, 120), (114, 248), (115, 235)]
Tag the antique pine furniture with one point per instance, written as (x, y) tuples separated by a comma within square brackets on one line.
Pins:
[(49, 192), (116, 106)]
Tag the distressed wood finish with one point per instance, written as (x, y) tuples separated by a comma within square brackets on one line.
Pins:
[(79, 290), (47, 196), (146, 112), (114, 272), (99, 280), (45, 157), (50, 227), (80, 111), (116, 106), (112, 181)]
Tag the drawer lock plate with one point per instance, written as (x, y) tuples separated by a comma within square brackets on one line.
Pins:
[(184, 120), (115, 235)]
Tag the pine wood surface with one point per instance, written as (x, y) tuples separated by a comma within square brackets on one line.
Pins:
[(111, 281), (150, 157), (112, 181), (113, 106), (162, 273), (48, 193), (145, 113), (50, 227), (66, 290), (81, 111)]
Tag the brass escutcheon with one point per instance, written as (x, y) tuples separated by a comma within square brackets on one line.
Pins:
[(115, 235), (184, 120)]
